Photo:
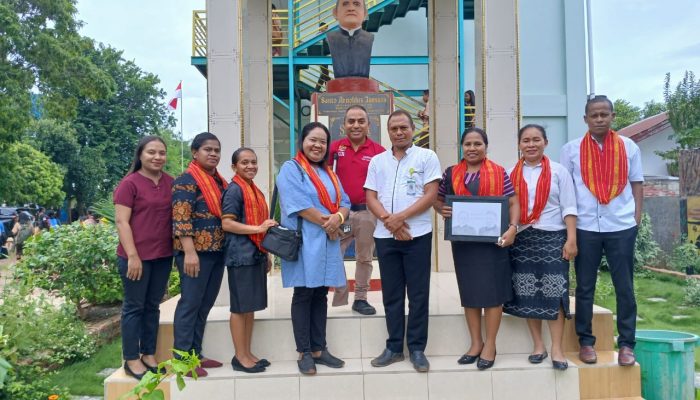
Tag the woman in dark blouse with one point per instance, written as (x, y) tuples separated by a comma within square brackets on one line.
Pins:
[(245, 221), (483, 269), (199, 246), (145, 252)]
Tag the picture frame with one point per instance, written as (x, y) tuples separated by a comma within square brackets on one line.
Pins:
[(476, 218)]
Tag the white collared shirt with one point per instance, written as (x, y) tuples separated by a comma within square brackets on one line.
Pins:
[(562, 196), (617, 215), (350, 32), (399, 184)]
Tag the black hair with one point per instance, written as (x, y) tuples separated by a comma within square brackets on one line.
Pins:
[(477, 130), (599, 99), (534, 126), (199, 140), (472, 98), (426, 91), (401, 112), (356, 107), (305, 132), (236, 154), (136, 164)]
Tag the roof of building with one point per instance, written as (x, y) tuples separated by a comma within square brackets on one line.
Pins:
[(647, 127)]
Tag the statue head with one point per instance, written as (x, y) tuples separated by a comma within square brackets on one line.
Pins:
[(350, 13)]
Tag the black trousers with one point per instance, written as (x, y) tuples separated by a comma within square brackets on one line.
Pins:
[(619, 251), (141, 306), (196, 300), (309, 316), (404, 267)]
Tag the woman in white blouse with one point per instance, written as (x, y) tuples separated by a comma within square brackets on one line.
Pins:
[(544, 245)]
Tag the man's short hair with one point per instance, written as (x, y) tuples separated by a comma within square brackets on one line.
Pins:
[(364, 6), (401, 112), (356, 107), (599, 99), (426, 91)]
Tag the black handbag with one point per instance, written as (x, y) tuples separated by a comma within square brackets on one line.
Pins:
[(280, 241)]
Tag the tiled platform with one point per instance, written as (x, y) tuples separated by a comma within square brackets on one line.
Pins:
[(357, 339)]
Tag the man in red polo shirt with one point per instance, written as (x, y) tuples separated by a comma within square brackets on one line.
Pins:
[(351, 156)]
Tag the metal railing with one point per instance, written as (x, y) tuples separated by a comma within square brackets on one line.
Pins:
[(199, 33)]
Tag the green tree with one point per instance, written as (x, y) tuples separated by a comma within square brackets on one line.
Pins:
[(683, 105), (30, 176), (652, 108), (625, 114), (178, 157), (41, 49)]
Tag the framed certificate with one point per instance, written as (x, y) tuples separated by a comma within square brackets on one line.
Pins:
[(476, 219)]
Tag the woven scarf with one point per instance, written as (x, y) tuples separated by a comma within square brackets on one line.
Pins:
[(323, 195), (541, 191), (490, 179), (604, 172), (208, 186), (254, 207)]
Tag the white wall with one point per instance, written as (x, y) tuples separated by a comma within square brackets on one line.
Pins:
[(653, 164)]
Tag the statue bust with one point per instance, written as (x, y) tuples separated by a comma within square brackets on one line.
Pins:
[(350, 45)]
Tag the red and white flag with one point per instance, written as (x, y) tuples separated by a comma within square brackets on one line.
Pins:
[(172, 104)]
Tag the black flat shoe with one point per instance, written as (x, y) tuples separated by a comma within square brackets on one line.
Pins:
[(467, 359), (153, 369), (329, 360), (237, 366), (537, 358), (132, 373), (263, 363), (560, 365), (483, 364), (307, 366)]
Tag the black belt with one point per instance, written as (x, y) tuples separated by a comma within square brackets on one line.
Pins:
[(358, 207)]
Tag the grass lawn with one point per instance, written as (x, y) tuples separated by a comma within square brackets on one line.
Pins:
[(81, 378), (657, 315)]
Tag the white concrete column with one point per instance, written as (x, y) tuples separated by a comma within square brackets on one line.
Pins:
[(257, 87), (224, 72), (444, 103), (576, 84), (498, 81)]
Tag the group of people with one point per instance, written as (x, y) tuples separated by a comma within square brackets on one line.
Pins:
[(354, 189)]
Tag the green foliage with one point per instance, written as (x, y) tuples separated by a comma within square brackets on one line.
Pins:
[(685, 254), (78, 262), (37, 338), (646, 250), (104, 208), (684, 114), (174, 283), (692, 292), (625, 114), (147, 389), (178, 157), (652, 108), (29, 176)]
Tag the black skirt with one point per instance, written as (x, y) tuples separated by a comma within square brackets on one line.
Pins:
[(540, 275), (483, 274), (247, 288)]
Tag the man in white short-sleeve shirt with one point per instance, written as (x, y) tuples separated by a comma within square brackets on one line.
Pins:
[(607, 173), (401, 187)]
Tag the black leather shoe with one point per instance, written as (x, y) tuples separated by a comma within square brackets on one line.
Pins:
[(560, 365), (537, 358), (153, 369), (387, 357), (263, 363), (237, 366), (132, 373), (329, 360), (420, 362), (467, 359), (363, 307), (307, 366), (483, 364)]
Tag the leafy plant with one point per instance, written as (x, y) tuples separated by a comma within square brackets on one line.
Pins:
[(78, 262), (684, 255), (692, 292), (646, 250), (105, 209), (147, 388), (174, 283)]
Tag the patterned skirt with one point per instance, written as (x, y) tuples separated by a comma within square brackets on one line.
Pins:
[(540, 275)]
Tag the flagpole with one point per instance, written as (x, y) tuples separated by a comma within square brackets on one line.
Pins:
[(182, 140)]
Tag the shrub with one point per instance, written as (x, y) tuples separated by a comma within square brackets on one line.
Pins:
[(685, 254), (692, 292), (646, 250), (78, 262)]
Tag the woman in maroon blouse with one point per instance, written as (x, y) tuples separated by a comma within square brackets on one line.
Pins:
[(142, 203)]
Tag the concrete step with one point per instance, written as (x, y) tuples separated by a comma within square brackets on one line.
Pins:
[(606, 379), (511, 377)]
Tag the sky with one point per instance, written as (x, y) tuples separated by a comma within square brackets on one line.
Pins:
[(635, 43)]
